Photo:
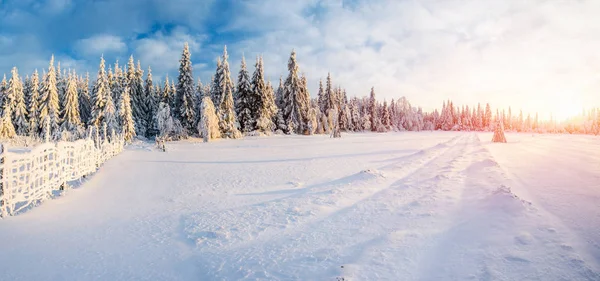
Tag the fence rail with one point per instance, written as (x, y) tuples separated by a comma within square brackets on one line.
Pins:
[(31, 177)]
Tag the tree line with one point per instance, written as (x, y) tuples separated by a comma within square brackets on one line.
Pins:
[(62, 105)]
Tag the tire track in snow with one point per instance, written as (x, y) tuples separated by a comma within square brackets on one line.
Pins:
[(500, 236), (370, 224)]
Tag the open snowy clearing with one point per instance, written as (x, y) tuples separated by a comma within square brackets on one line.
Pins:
[(397, 206)]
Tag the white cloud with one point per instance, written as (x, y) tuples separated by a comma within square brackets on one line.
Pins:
[(100, 44), (503, 52), (163, 51)]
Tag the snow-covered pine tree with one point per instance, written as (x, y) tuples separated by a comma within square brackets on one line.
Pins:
[(267, 114), (115, 82), (304, 96), (244, 105), (164, 120), (49, 104), (279, 95), (85, 103), (100, 93), (257, 100), (216, 93), (141, 96), (33, 104), (135, 84), (165, 95), (209, 122), (125, 116), (61, 85), (184, 98), (373, 111), (385, 117), (321, 96), (226, 112), (198, 100), (488, 117), (110, 115), (71, 122), (7, 129), (19, 110), (293, 109), (151, 104), (330, 100), (172, 92)]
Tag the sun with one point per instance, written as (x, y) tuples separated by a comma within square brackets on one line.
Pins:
[(567, 108)]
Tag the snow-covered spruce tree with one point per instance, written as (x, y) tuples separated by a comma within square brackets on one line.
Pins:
[(385, 118), (216, 93), (259, 93), (267, 115), (125, 116), (487, 119), (71, 122), (61, 85), (49, 104), (499, 133), (100, 93), (166, 95), (85, 103), (304, 96), (294, 106), (19, 112), (330, 98), (136, 90), (168, 127), (172, 92), (33, 104), (373, 111), (279, 95), (226, 112), (116, 87), (209, 122), (199, 94), (184, 97), (151, 104), (7, 129), (321, 96), (243, 107), (109, 115)]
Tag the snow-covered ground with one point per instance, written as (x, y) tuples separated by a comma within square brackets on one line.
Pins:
[(398, 206)]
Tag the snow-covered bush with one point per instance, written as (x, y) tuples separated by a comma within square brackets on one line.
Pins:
[(209, 122)]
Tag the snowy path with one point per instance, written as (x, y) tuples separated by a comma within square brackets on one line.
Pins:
[(406, 206)]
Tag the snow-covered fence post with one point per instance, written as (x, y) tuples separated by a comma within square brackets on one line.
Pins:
[(3, 192)]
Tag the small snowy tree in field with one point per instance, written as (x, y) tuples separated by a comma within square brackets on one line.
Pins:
[(499, 133), (209, 122), (71, 122), (126, 116), (164, 121), (15, 89), (7, 129)]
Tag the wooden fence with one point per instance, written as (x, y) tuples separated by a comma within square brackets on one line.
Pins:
[(31, 177)]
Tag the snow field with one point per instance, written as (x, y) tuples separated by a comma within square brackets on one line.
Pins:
[(399, 206)]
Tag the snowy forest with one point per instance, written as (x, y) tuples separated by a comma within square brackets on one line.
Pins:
[(63, 105)]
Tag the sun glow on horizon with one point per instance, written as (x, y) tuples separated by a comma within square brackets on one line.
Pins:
[(567, 107)]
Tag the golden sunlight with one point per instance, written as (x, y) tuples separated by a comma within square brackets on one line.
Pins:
[(567, 107)]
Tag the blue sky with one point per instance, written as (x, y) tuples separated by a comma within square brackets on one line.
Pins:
[(536, 55)]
